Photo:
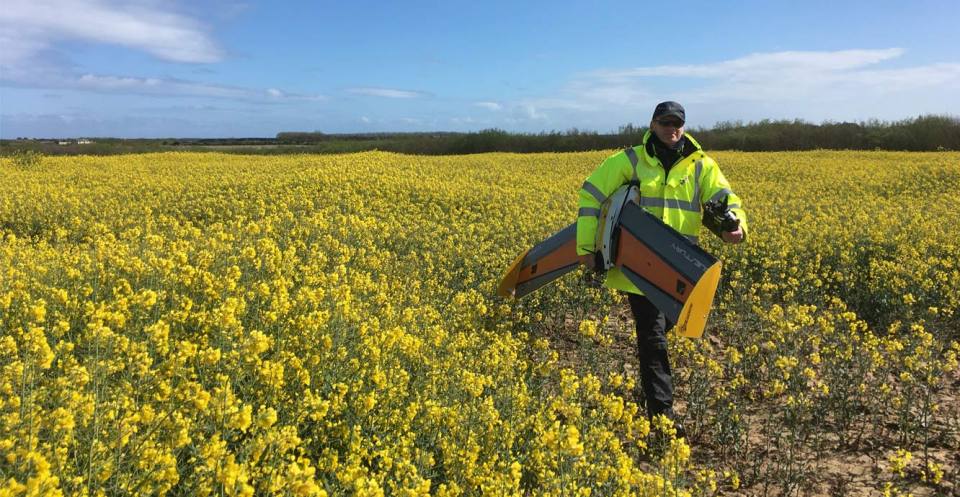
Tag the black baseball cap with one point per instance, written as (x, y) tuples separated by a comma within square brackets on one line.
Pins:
[(669, 108)]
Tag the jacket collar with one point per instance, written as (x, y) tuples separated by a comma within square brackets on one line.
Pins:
[(689, 147)]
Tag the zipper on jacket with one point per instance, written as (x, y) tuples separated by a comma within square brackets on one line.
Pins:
[(663, 191)]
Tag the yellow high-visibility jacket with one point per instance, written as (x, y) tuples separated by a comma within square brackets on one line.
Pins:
[(676, 198)]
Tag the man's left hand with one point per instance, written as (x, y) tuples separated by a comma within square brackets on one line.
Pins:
[(733, 236)]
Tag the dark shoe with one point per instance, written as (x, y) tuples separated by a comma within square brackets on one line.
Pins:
[(680, 431)]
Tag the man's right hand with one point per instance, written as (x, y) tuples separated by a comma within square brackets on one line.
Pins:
[(735, 236), (594, 261)]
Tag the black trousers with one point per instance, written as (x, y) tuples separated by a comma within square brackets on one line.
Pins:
[(655, 376)]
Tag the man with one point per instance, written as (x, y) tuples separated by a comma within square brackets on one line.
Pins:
[(676, 178)]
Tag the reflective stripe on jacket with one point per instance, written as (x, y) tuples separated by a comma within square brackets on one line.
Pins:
[(676, 198)]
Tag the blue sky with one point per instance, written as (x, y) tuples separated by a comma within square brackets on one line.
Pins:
[(222, 68)]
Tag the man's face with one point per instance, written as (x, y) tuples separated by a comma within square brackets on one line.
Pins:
[(669, 129)]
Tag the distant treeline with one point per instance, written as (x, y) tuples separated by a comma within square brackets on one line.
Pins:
[(924, 133), (488, 140)]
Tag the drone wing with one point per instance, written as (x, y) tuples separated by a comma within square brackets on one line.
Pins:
[(677, 276), (545, 262)]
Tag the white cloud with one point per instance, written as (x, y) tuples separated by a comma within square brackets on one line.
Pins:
[(156, 86), (386, 92), (774, 76), (18, 44), (532, 111), (821, 85), (30, 56), (753, 65), (178, 87), (29, 26), (489, 105)]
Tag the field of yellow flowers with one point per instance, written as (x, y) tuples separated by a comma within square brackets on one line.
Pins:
[(212, 324)]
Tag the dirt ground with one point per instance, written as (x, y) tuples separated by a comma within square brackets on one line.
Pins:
[(860, 471)]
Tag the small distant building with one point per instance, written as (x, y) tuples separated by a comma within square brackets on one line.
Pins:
[(63, 142), (84, 141)]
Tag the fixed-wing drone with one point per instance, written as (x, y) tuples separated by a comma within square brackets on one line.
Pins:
[(676, 275)]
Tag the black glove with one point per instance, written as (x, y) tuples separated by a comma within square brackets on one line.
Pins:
[(718, 218), (598, 264), (594, 277), (596, 261)]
